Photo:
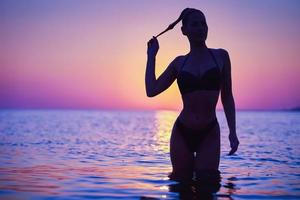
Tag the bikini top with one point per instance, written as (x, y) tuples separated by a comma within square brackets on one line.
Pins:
[(210, 80)]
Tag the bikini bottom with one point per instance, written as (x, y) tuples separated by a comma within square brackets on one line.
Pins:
[(194, 137)]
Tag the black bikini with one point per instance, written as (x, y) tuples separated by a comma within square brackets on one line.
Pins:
[(187, 83), (210, 80), (194, 137)]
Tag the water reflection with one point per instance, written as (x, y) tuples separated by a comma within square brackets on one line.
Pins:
[(164, 121), (111, 155), (196, 189)]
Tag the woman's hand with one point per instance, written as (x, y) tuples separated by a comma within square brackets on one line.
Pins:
[(153, 46), (234, 143)]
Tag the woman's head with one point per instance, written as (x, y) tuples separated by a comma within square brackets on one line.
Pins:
[(194, 24)]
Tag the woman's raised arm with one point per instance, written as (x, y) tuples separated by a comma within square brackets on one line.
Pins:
[(156, 86)]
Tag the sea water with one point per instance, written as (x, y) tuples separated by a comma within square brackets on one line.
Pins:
[(117, 154)]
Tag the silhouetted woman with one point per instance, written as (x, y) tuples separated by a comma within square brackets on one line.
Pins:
[(201, 75)]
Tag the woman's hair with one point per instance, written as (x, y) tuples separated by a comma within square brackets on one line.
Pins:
[(184, 17), (187, 13)]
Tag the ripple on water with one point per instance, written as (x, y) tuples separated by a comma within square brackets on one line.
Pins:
[(114, 154)]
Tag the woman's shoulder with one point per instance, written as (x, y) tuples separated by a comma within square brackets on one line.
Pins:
[(220, 51), (180, 58), (178, 61), (221, 55)]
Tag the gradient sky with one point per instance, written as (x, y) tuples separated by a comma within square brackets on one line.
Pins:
[(92, 54)]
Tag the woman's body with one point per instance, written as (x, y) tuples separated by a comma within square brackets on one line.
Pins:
[(201, 75)]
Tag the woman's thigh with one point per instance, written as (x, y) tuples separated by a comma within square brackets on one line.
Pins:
[(208, 152), (182, 159)]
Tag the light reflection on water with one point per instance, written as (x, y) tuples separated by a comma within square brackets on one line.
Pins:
[(114, 154)]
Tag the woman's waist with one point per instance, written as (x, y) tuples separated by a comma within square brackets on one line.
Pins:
[(199, 105), (196, 120)]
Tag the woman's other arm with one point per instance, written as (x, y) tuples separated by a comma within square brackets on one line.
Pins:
[(228, 102)]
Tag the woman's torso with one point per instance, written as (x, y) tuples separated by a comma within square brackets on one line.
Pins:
[(199, 82)]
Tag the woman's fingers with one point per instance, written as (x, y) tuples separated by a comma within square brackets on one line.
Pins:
[(153, 39), (150, 42), (153, 46), (233, 150), (234, 143), (153, 42)]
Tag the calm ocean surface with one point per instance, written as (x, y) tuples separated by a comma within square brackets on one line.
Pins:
[(66, 154)]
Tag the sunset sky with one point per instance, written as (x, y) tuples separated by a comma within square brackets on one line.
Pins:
[(92, 54)]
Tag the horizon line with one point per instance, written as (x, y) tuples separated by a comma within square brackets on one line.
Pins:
[(151, 109)]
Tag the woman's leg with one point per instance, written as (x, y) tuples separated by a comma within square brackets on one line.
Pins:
[(208, 153), (182, 159)]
